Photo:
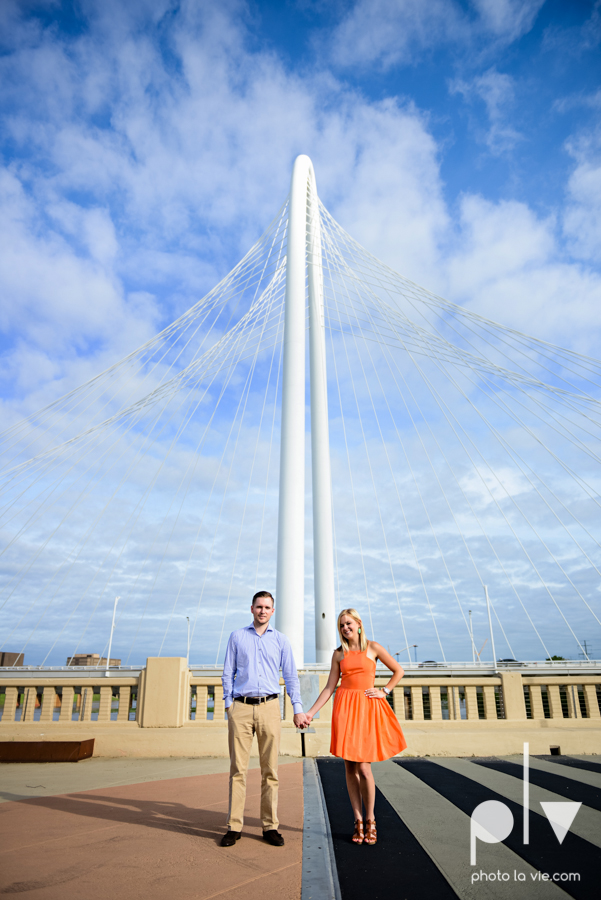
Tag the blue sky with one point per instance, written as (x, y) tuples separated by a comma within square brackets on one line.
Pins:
[(145, 146), (546, 77)]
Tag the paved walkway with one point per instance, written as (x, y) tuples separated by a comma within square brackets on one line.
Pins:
[(126, 829), (131, 830)]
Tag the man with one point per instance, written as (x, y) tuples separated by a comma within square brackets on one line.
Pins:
[(251, 690)]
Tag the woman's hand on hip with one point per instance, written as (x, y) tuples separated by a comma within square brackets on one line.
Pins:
[(374, 693)]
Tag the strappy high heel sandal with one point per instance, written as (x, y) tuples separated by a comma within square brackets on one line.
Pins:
[(372, 835), (358, 835)]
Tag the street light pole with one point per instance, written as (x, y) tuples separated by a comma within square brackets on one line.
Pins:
[(492, 640), (108, 656), (472, 639), (398, 653), (188, 653)]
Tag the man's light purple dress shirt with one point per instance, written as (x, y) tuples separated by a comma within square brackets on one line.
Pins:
[(254, 661)]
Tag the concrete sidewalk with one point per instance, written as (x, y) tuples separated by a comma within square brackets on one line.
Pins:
[(155, 836)]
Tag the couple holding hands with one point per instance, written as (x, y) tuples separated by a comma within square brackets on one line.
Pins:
[(364, 727)]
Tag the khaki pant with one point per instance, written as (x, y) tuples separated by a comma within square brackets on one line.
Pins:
[(243, 721)]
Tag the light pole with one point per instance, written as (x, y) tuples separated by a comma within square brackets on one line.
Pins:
[(472, 638), (188, 653), (492, 640), (108, 656), (398, 653)]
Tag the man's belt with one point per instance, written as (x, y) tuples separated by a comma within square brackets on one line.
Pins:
[(255, 700)]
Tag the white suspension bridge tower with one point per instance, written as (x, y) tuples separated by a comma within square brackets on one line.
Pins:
[(303, 254)]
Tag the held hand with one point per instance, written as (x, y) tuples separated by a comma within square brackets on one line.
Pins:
[(374, 693), (300, 720)]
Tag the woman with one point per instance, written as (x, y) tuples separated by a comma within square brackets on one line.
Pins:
[(364, 727)]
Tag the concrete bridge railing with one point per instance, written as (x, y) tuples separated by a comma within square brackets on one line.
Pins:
[(167, 708)]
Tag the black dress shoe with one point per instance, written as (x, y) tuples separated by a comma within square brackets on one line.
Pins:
[(230, 838), (273, 837)]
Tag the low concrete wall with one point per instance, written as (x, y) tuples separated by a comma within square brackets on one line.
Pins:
[(483, 738)]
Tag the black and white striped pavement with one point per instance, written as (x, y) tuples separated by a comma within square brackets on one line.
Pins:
[(423, 813)]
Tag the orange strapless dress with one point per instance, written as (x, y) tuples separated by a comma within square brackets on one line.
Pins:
[(363, 729)]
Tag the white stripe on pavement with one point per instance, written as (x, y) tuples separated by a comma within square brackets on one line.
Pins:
[(586, 825), (443, 830), (583, 775)]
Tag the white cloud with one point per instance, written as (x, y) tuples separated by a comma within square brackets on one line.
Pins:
[(496, 91), (582, 219), (487, 487), (499, 239), (509, 19), (389, 195), (44, 279), (398, 32), (573, 40), (63, 306), (507, 265), (389, 32)]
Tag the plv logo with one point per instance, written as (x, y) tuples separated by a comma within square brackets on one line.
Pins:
[(492, 821)]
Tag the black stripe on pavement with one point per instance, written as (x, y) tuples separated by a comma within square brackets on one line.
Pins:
[(586, 764), (396, 868), (558, 784), (543, 852)]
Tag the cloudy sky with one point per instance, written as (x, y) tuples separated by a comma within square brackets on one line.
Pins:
[(147, 145)]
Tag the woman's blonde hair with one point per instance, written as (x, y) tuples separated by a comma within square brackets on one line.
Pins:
[(362, 639)]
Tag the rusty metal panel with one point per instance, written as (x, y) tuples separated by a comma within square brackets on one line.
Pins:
[(46, 751)]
